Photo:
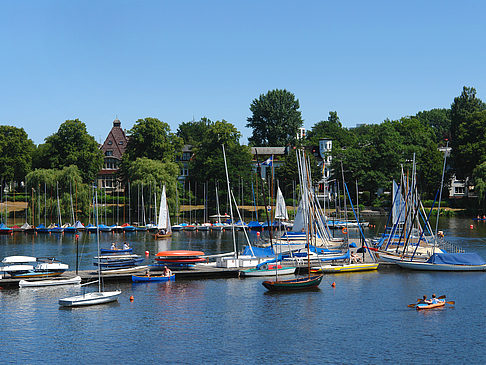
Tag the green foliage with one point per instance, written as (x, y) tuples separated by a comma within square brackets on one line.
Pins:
[(152, 139), (207, 163), (15, 153), (439, 120), (45, 184), (71, 145), (333, 129), (275, 119), (145, 173), (191, 132), (463, 127), (479, 175)]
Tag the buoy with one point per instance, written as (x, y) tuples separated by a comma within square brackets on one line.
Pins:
[(147, 253), (471, 226), (77, 236), (131, 298), (258, 233), (333, 284)]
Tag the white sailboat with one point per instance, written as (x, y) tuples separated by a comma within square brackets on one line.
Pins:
[(163, 223), (92, 298)]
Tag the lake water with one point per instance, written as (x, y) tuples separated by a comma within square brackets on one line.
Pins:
[(364, 319)]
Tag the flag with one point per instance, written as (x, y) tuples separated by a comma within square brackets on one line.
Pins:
[(268, 162)]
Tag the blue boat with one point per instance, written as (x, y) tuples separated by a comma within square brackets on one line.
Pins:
[(128, 228), (255, 225), (4, 229), (104, 228), (91, 228), (70, 229), (109, 250), (56, 229), (149, 278)]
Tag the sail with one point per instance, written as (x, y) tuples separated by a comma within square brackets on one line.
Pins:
[(281, 208), (163, 212), (398, 206), (299, 219)]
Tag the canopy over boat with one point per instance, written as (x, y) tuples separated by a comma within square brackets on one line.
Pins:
[(471, 258), (258, 251)]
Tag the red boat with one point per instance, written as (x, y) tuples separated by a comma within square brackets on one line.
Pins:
[(180, 256)]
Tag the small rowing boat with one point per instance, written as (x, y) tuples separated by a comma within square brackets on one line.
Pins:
[(441, 303), (294, 284), (345, 268), (149, 278)]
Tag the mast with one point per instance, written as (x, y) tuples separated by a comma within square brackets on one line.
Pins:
[(230, 202), (440, 196)]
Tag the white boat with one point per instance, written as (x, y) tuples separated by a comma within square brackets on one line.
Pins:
[(126, 270), (447, 262), (164, 228), (32, 267), (270, 271), (92, 298), (50, 282)]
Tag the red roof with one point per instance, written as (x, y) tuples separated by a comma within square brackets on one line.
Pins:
[(116, 142)]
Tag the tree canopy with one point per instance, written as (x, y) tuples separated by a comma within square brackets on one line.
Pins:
[(152, 139), (15, 153), (191, 132), (275, 119), (71, 145)]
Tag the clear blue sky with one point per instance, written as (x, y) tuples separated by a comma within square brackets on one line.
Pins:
[(179, 60)]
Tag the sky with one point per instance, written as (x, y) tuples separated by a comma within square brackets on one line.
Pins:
[(180, 61)]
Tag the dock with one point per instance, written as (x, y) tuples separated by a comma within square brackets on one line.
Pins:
[(197, 273)]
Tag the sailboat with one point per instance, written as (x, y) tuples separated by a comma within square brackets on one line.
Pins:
[(92, 298), (310, 281), (163, 222)]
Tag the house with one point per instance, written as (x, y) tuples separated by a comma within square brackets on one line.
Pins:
[(113, 149)]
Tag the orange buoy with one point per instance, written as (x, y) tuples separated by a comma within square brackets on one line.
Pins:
[(131, 298), (333, 284)]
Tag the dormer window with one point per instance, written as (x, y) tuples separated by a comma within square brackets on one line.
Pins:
[(121, 142), (110, 142), (109, 153)]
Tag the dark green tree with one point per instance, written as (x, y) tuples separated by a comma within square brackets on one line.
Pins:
[(152, 139), (440, 121), (15, 153), (462, 107), (330, 128), (192, 132), (71, 145), (275, 119)]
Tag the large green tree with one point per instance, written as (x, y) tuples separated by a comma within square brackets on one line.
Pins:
[(15, 153), (207, 164), (275, 119), (71, 145), (461, 109), (439, 120), (330, 128), (192, 132), (152, 139)]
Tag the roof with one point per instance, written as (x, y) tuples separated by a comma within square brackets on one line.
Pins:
[(116, 141), (268, 150)]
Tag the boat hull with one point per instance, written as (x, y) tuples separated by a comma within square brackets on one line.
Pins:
[(430, 306), (156, 278), (268, 272), (345, 268), (294, 284), (425, 266), (90, 299), (39, 283)]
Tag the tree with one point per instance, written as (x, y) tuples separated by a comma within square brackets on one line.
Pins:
[(145, 172), (439, 120), (275, 119), (479, 175), (15, 153), (192, 132), (71, 145), (152, 139), (332, 129), (207, 164), (462, 107)]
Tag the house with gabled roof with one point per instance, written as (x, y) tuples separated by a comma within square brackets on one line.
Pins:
[(113, 149)]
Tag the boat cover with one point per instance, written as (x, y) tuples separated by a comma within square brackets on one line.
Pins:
[(456, 259), (258, 251)]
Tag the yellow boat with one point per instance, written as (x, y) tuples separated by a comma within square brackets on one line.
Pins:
[(345, 268)]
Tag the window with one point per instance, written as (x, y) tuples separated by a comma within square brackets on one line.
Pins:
[(110, 142), (109, 153), (459, 190), (120, 143)]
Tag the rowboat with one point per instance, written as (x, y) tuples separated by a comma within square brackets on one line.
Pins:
[(148, 278), (98, 297), (51, 282), (293, 284), (345, 268), (441, 303), (180, 256)]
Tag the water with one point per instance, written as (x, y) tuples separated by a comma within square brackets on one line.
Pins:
[(364, 319)]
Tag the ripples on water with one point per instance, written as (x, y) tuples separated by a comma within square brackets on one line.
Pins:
[(364, 319)]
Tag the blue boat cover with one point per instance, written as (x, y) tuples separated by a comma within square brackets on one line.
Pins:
[(456, 259), (254, 224), (259, 251)]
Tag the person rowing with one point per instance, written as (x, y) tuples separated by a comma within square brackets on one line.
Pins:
[(424, 300), (435, 300)]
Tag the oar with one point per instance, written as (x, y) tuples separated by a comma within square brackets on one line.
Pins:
[(451, 302), (412, 305)]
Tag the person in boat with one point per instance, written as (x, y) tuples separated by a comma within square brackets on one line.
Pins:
[(147, 273), (126, 246), (355, 258), (162, 232), (167, 271), (434, 300), (424, 300), (113, 246)]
